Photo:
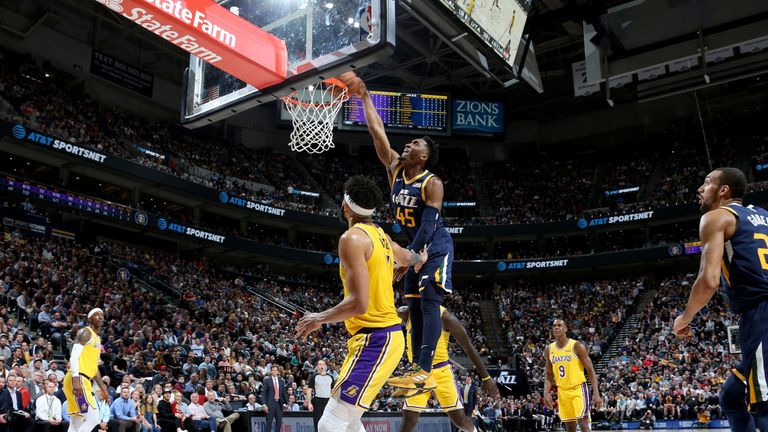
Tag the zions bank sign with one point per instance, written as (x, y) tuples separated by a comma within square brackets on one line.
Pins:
[(477, 116)]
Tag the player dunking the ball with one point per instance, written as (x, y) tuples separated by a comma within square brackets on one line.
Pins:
[(376, 344), (417, 196), (83, 368), (734, 241), (566, 361)]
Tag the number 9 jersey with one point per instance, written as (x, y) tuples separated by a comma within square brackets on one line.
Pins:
[(568, 369)]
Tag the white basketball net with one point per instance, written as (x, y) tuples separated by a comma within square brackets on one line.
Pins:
[(314, 112)]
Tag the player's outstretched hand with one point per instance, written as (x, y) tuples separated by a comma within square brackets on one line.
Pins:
[(307, 325), (354, 84), (682, 327), (400, 271), (424, 257), (548, 400), (490, 388)]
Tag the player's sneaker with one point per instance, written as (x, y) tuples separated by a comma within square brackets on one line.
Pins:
[(416, 380), (408, 393)]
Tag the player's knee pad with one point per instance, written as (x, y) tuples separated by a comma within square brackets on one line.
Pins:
[(733, 395), (338, 415)]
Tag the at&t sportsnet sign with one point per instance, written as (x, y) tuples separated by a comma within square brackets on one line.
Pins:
[(225, 198), (212, 33), (163, 225), (21, 133), (477, 116), (610, 220), (527, 265)]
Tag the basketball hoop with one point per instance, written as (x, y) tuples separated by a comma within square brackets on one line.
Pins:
[(313, 111)]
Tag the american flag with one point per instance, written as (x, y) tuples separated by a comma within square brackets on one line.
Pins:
[(210, 94)]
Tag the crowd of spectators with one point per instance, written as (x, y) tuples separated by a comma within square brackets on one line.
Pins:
[(214, 341), (670, 377)]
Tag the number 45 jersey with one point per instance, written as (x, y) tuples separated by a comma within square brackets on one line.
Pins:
[(409, 202), (745, 258)]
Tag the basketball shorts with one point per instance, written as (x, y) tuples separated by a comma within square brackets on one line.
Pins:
[(573, 403), (753, 337), (446, 392), (372, 357), (72, 405), (437, 269)]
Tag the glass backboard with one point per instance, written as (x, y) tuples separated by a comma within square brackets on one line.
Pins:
[(323, 38)]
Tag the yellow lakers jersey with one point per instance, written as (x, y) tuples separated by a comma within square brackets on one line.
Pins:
[(441, 350), (568, 369), (381, 297), (89, 359)]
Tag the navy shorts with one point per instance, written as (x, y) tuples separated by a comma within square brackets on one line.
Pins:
[(437, 269), (753, 337)]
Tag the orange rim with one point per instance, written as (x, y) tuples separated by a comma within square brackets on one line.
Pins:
[(331, 81)]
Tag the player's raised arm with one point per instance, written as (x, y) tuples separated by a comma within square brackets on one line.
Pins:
[(712, 230), (459, 332), (387, 156)]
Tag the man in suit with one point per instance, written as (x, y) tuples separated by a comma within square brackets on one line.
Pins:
[(35, 385), (469, 393), (273, 397), (10, 400)]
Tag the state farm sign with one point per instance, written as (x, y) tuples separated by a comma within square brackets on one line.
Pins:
[(212, 33)]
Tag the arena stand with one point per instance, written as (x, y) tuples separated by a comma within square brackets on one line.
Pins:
[(265, 175)]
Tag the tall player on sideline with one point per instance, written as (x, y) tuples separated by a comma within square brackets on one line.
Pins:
[(417, 195), (376, 344), (84, 368), (734, 243), (446, 392), (566, 361)]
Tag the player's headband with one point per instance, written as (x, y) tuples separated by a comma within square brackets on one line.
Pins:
[(94, 311), (356, 208)]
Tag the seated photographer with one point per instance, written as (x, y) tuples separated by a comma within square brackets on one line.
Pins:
[(48, 415), (17, 416), (648, 421)]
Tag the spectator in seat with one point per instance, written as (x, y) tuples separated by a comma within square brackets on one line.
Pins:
[(122, 413), (214, 410), (48, 415), (11, 401), (166, 418), (198, 415), (104, 411), (148, 412)]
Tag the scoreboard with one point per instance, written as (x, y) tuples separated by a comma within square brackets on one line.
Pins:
[(401, 112)]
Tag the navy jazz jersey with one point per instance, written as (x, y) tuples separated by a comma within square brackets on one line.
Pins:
[(745, 258), (409, 201)]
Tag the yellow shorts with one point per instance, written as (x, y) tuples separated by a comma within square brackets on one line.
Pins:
[(372, 357), (573, 403), (446, 392), (72, 406)]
